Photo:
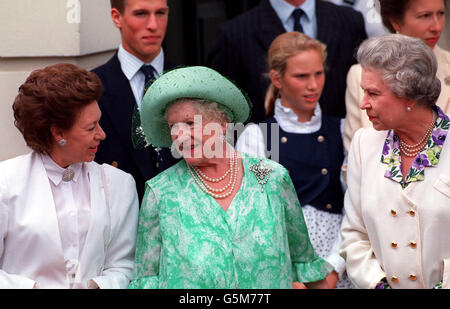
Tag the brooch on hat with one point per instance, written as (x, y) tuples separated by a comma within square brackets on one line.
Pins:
[(262, 173)]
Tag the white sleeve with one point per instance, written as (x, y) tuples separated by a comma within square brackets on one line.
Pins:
[(9, 281), (363, 268), (335, 259), (251, 141), (119, 259)]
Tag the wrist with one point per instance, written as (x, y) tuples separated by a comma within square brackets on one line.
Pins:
[(382, 285)]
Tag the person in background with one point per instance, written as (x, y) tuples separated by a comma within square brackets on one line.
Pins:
[(370, 10), (309, 143), (395, 233), (240, 51), (218, 218), (65, 221), (125, 77), (423, 19)]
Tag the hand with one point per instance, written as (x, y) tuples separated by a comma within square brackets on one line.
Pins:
[(332, 279), (322, 284), (298, 286)]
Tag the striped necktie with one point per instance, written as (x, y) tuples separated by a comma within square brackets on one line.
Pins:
[(137, 135), (149, 76)]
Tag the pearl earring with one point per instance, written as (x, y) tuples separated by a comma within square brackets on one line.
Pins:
[(408, 108), (62, 142)]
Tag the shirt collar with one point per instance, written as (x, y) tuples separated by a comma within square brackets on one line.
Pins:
[(288, 120), (284, 10), (428, 157), (131, 64), (55, 172)]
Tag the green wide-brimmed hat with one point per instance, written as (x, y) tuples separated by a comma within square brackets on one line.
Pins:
[(188, 82)]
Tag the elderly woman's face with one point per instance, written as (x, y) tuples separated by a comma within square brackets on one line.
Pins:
[(424, 19), (83, 138), (384, 109), (196, 138)]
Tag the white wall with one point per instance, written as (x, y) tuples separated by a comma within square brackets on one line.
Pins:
[(35, 34)]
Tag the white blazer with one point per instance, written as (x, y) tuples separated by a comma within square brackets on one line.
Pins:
[(387, 231), (30, 245)]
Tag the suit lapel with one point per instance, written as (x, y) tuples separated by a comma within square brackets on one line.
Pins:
[(120, 100), (99, 225), (326, 27), (43, 213), (45, 200), (119, 109), (271, 25)]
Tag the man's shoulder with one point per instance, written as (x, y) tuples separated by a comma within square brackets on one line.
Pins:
[(246, 19), (104, 68), (340, 11)]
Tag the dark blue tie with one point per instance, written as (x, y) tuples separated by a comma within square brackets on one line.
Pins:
[(137, 135), (149, 76), (297, 14)]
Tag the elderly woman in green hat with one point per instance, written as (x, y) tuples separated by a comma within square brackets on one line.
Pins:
[(218, 218)]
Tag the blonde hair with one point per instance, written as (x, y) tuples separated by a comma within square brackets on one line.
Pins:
[(282, 48)]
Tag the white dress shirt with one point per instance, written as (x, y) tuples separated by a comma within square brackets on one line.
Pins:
[(308, 20), (72, 205), (131, 66), (252, 139)]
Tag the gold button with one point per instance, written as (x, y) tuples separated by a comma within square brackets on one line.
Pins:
[(413, 244), (284, 139), (412, 213), (115, 164), (320, 138), (324, 171), (394, 279), (394, 245), (412, 277), (329, 206), (393, 212)]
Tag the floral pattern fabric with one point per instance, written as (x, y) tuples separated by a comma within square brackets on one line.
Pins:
[(429, 156), (186, 239)]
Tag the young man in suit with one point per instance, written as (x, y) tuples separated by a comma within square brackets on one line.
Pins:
[(241, 48), (142, 25)]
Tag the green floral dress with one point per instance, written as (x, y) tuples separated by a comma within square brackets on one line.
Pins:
[(186, 239), (428, 157)]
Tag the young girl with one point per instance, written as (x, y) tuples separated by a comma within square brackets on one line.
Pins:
[(309, 143)]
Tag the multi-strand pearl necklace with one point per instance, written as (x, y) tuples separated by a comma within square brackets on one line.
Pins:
[(413, 150), (200, 179)]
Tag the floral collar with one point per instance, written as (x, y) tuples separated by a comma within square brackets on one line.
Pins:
[(428, 157)]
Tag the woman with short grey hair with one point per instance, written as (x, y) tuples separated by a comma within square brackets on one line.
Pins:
[(395, 231), (409, 74)]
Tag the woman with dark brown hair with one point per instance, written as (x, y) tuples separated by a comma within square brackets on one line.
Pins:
[(65, 221)]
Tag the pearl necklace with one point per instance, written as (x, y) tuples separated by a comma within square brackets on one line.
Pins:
[(200, 173), (203, 177), (211, 191), (413, 150)]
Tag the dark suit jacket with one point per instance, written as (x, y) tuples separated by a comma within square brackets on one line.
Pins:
[(242, 43), (116, 104)]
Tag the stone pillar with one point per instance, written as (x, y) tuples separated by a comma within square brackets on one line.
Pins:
[(40, 33)]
